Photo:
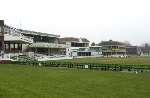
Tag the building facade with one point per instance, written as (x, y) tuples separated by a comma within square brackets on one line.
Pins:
[(96, 50), (133, 50), (15, 42), (44, 46), (77, 46), (113, 48)]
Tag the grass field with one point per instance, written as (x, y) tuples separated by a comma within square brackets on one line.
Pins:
[(19, 81), (100, 60)]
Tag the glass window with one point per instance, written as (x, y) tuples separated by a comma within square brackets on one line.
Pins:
[(16, 45), (11, 45)]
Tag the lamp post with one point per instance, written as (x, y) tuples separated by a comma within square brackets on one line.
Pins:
[(2, 48)]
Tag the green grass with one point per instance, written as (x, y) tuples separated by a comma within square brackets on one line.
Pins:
[(18, 81), (130, 60)]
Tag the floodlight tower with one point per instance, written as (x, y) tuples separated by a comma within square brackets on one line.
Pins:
[(2, 46)]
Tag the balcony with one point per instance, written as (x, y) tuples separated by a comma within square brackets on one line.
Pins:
[(48, 45), (17, 38), (122, 50)]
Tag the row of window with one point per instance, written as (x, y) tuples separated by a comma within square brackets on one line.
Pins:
[(79, 44), (12, 46)]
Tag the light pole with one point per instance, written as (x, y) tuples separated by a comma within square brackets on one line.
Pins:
[(2, 48)]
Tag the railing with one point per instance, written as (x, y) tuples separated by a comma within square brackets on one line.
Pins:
[(12, 33), (9, 56), (114, 50), (48, 45), (41, 57), (8, 37), (27, 39), (91, 66)]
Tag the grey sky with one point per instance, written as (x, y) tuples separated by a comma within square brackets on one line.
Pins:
[(123, 20)]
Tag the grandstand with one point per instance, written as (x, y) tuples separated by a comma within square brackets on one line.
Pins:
[(79, 47), (16, 42), (19, 44), (113, 48)]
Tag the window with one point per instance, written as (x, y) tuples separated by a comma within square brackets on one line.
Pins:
[(11, 45), (16, 45), (6, 46)]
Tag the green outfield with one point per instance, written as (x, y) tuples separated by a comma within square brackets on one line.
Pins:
[(20, 81), (101, 60)]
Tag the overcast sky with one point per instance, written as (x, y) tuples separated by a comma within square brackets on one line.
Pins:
[(122, 20)]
